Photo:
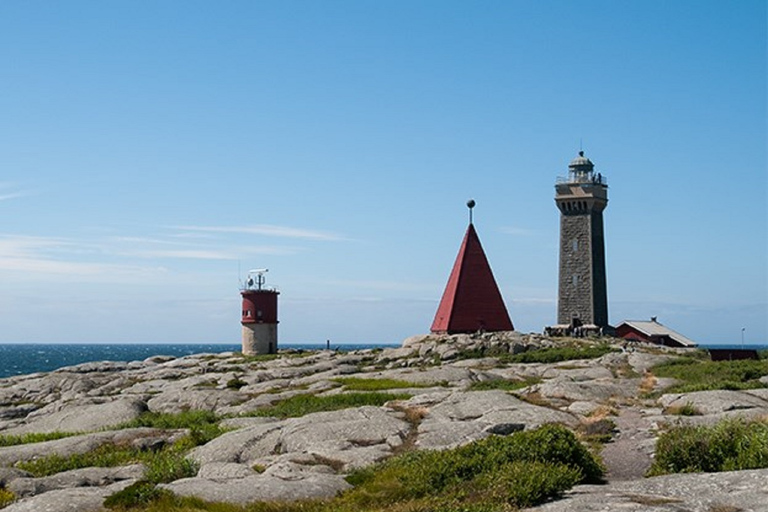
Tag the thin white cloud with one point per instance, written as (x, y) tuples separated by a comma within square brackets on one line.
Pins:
[(35, 256), (267, 230), (7, 191), (12, 195)]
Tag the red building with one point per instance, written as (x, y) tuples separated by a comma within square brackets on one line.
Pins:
[(652, 332), (471, 301)]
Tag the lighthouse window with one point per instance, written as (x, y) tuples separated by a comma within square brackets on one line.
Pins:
[(575, 280), (247, 313), (575, 244), (258, 313)]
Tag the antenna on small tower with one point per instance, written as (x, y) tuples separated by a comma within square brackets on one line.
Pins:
[(470, 204), (258, 280)]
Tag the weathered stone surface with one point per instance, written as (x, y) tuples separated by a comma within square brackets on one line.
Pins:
[(81, 418), (78, 499), (65, 447), (176, 401), (467, 416), (223, 471), (9, 474), (716, 402), (690, 492), (354, 437), (593, 390), (86, 477), (264, 487), (240, 446)]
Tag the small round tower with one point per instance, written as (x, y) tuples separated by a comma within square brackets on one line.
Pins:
[(259, 315)]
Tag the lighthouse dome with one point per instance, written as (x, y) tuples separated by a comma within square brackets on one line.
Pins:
[(581, 163)]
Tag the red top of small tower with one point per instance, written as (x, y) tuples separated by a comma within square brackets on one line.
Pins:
[(259, 303), (471, 301)]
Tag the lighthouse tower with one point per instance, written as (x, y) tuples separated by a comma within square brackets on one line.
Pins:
[(581, 198), (259, 318)]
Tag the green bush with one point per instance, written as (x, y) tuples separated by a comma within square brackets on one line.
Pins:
[(236, 383), (6, 497), (730, 445), (701, 375), (300, 405), (168, 465), (137, 495), (520, 470)]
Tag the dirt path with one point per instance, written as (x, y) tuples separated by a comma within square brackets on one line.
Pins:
[(628, 457)]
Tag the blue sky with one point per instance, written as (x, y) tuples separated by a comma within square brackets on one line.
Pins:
[(152, 152)]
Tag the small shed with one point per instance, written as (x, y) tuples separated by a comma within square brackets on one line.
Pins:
[(653, 332)]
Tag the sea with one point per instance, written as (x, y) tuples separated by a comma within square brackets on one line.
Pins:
[(25, 358)]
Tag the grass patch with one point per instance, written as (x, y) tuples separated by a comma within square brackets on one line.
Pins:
[(557, 354), (6, 498), (730, 445), (258, 358), (504, 384), (203, 425), (360, 384), (518, 470), (136, 495), (700, 375), (683, 410), (165, 465), (34, 437), (301, 405)]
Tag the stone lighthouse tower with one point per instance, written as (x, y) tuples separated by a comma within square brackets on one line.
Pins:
[(581, 198), (259, 318)]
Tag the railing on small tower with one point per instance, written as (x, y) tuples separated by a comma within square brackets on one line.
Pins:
[(256, 280), (582, 171)]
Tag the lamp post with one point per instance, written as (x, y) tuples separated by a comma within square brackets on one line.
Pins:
[(742, 336)]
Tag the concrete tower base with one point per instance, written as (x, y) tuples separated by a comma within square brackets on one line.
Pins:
[(259, 339)]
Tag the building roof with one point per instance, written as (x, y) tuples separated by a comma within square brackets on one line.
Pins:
[(471, 301), (654, 328)]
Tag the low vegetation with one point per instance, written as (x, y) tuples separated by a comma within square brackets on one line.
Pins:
[(301, 405), (165, 465), (361, 384), (6, 497), (730, 445), (494, 474), (203, 425), (34, 437), (696, 374), (574, 350), (557, 354), (687, 409), (504, 384)]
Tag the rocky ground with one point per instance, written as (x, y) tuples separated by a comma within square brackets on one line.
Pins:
[(269, 458)]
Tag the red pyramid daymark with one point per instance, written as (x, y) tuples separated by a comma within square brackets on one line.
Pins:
[(471, 301)]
